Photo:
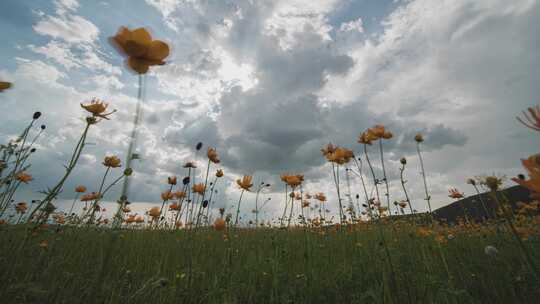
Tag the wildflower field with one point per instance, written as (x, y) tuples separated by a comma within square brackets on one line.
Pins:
[(376, 247)]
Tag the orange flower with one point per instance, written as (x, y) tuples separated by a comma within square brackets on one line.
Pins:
[(330, 148), (220, 224), (387, 135), (4, 86), (97, 108), (59, 219), (199, 188), (21, 207), (174, 206), (139, 219), (219, 173), (139, 48), (532, 165), (455, 194), (366, 138), (340, 156), (320, 197), (245, 182), (80, 189), (531, 120), (292, 180), (154, 212), (172, 180), (167, 195), (44, 244), (112, 162), (24, 177), (90, 197), (179, 194), (305, 204), (126, 209), (212, 155), (377, 131)]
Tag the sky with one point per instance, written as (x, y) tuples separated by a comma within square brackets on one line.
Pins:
[(269, 83)]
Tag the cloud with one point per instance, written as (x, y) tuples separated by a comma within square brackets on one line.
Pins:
[(268, 83), (70, 28)]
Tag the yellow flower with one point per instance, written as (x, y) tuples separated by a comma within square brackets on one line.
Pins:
[(212, 155), (219, 173), (139, 48), (24, 177), (4, 86), (80, 189), (245, 182), (112, 162), (97, 108), (199, 188)]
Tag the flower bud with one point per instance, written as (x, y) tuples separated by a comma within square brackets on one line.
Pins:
[(36, 115), (128, 172)]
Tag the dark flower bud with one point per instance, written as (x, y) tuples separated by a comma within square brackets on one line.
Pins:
[(128, 171), (403, 161), (43, 127), (521, 176), (205, 204), (357, 196), (199, 146), (185, 181), (36, 115), (163, 282), (267, 185), (32, 150)]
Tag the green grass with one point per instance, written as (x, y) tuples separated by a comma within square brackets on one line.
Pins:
[(260, 266)]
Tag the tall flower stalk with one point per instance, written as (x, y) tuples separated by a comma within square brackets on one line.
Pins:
[(337, 156), (420, 139), (98, 110), (403, 162), (244, 184)]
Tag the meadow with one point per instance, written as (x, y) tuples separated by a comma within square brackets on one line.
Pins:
[(183, 250), (325, 265)]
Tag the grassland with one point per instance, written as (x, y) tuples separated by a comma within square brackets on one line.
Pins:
[(325, 265)]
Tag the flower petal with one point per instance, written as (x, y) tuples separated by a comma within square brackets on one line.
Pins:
[(4, 85), (139, 66), (135, 49), (158, 50), (141, 36)]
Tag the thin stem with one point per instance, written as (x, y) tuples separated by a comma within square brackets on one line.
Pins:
[(428, 197)]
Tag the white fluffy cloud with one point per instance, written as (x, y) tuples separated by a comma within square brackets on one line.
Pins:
[(269, 82)]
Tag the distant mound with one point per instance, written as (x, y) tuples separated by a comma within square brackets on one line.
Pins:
[(474, 208)]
